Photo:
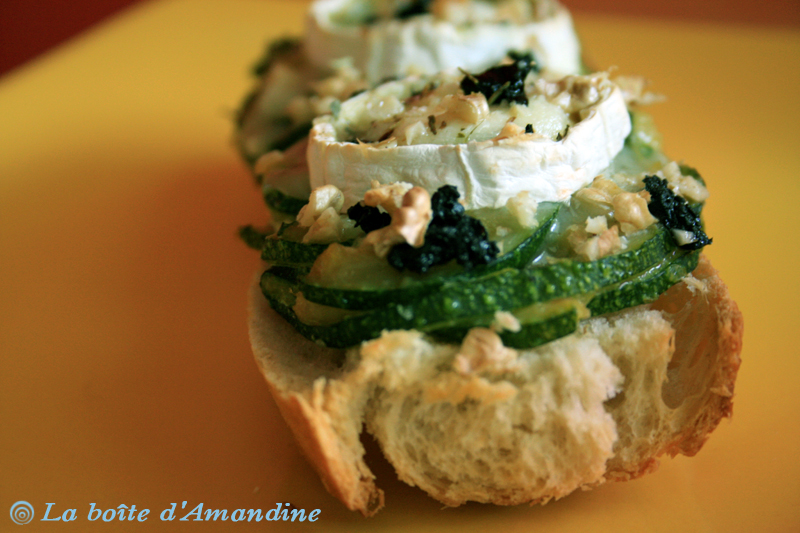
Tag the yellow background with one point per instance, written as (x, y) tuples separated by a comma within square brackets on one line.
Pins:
[(125, 370)]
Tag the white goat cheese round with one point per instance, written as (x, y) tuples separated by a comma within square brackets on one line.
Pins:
[(472, 35), (372, 139)]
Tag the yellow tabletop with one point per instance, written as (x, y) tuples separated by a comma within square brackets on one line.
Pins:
[(126, 376)]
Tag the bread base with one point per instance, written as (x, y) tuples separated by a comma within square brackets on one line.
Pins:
[(602, 404)]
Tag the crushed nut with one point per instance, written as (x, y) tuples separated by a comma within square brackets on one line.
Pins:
[(523, 208), (599, 246), (483, 350), (468, 108), (631, 211), (683, 237), (596, 225), (387, 196), (606, 185), (413, 131), (594, 197), (321, 199), (633, 90), (599, 194), (694, 284), (685, 186), (511, 129), (326, 228), (409, 223), (574, 93), (413, 217)]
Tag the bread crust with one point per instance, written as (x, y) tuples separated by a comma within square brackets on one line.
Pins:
[(716, 319), (693, 339), (296, 371)]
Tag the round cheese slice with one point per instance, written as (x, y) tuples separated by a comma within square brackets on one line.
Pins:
[(487, 173), (425, 44)]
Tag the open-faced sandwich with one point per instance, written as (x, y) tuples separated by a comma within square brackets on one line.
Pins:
[(352, 45), (497, 274)]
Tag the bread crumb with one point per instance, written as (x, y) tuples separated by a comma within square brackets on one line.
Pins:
[(482, 351)]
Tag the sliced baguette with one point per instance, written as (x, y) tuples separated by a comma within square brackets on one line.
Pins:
[(483, 423)]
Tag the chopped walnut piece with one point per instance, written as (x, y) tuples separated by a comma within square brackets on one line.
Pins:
[(388, 196), (595, 197), (409, 223), (523, 208), (510, 130), (411, 132), (321, 198), (694, 284), (599, 195), (599, 246), (327, 228), (413, 217), (596, 225), (483, 350), (606, 185), (632, 213), (469, 108), (574, 93), (633, 90), (685, 186), (683, 237)]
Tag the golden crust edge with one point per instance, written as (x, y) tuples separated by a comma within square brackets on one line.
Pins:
[(351, 481)]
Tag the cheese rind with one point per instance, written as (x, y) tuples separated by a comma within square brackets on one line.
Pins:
[(487, 173), (427, 44)]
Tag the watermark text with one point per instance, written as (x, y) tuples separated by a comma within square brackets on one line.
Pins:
[(23, 513)]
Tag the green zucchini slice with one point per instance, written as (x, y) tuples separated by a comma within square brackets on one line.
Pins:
[(517, 258), (467, 299), (647, 286)]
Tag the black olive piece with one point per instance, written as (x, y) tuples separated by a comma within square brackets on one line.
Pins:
[(451, 235), (414, 8), (504, 82), (369, 218), (674, 212)]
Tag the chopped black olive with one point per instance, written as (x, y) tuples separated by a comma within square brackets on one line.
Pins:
[(504, 82), (432, 123), (529, 128), (445, 205), (674, 212), (451, 234), (369, 218), (414, 8)]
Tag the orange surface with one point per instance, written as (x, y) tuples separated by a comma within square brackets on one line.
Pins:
[(30, 27), (126, 375)]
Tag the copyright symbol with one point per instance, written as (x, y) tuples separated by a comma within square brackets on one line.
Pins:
[(21, 513)]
